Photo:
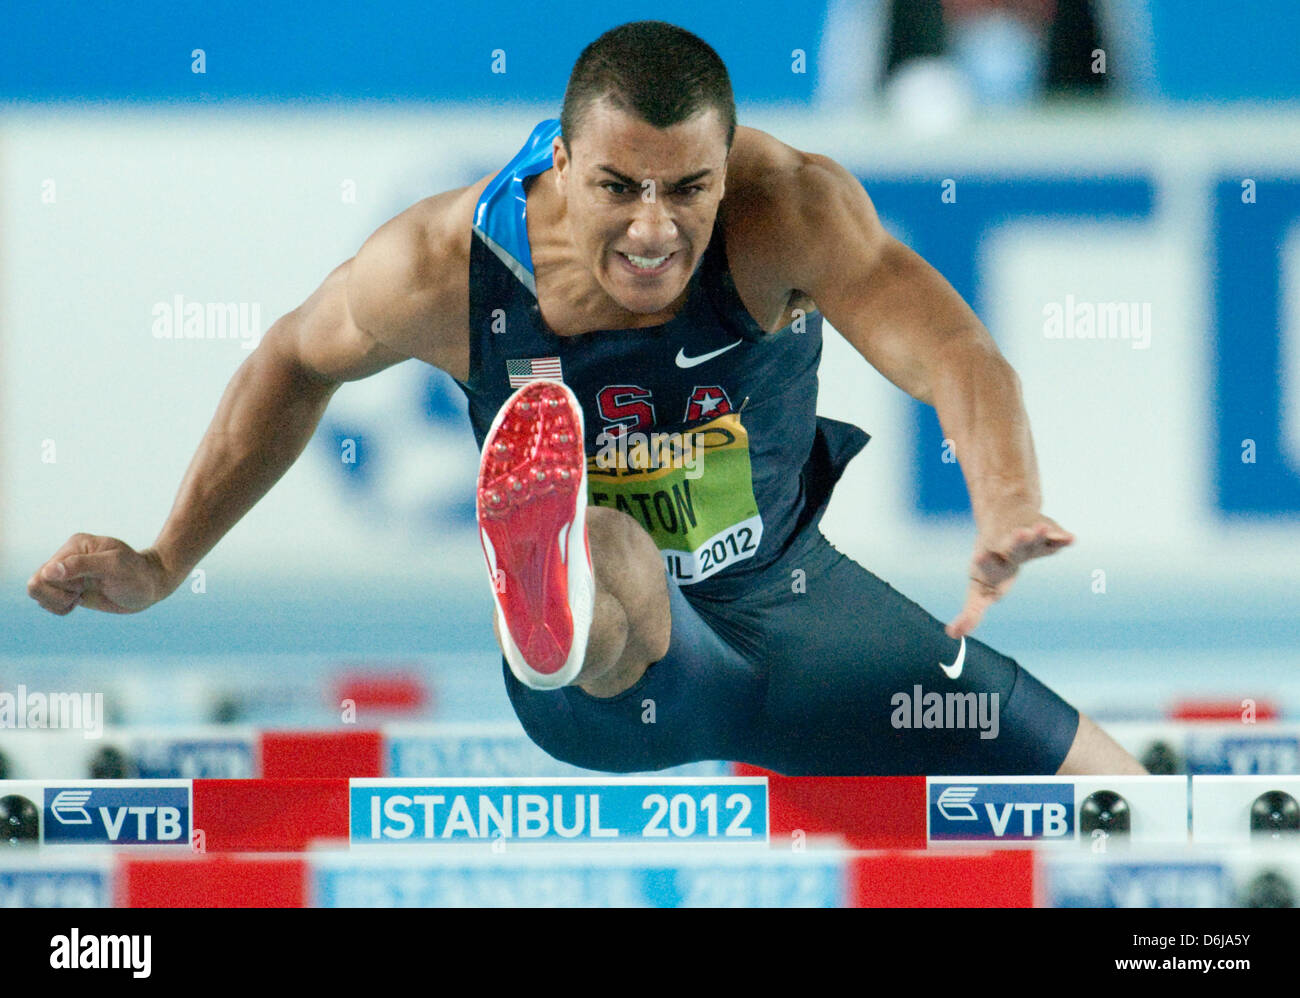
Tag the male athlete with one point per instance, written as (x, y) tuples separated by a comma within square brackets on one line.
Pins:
[(643, 266)]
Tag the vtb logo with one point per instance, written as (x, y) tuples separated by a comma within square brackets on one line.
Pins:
[(122, 815), (1001, 811)]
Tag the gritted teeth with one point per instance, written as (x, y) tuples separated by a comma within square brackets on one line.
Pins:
[(645, 262)]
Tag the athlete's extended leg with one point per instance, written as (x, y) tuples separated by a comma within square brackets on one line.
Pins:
[(631, 623), (561, 616), (659, 686)]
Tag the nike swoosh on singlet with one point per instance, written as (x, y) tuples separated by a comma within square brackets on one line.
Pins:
[(954, 670), (684, 361)]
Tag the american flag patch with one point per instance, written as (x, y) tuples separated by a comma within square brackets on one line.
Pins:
[(520, 372)]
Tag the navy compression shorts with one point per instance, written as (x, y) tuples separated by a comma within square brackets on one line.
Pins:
[(834, 680)]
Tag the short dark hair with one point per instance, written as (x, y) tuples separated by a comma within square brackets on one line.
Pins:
[(657, 71)]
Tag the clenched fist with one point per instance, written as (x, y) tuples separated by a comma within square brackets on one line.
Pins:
[(101, 573)]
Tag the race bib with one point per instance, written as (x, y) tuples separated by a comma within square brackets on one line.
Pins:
[(691, 489)]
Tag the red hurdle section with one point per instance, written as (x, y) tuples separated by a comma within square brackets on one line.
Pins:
[(1190, 709), (341, 754), (212, 882), (1003, 878), (268, 815), (869, 812), (286, 814), (402, 691)]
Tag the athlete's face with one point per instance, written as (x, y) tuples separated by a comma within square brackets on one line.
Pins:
[(641, 201)]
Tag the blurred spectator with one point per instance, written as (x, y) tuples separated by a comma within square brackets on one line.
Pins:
[(940, 56), (924, 88), (1072, 47), (999, 46)]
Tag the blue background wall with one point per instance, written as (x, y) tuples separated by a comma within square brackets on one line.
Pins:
[(1201, 49)]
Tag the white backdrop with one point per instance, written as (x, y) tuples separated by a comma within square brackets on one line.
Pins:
[(227, 206)]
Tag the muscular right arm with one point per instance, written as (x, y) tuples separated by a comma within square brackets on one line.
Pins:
[(397, 298), (267, 415)]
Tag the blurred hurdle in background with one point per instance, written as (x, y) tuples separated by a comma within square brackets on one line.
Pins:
[(500, 748)]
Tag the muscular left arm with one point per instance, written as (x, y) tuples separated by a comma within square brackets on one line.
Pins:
[(909, 323)]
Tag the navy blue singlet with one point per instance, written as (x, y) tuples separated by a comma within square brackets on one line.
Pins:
[(765, 463)]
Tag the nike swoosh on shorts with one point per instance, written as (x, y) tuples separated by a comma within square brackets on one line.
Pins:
[(954, 670)]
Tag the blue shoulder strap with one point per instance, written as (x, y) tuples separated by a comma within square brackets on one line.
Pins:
[(499, 218)]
